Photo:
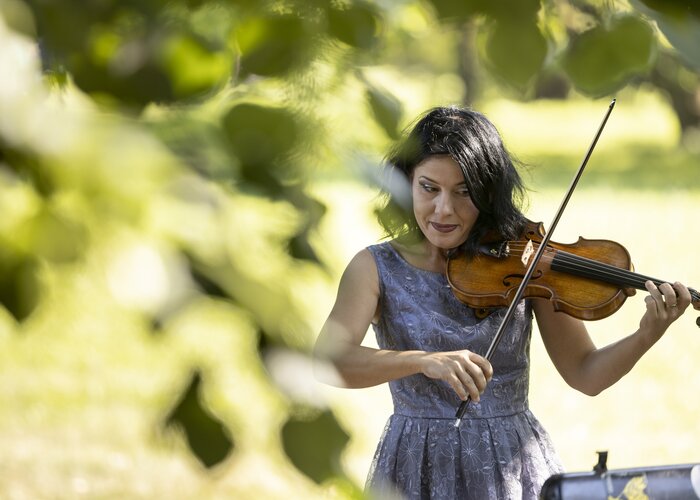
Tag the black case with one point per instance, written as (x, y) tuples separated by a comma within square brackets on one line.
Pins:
[(672, 482)]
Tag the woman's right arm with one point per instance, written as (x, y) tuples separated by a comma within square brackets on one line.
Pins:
[(339, 342)]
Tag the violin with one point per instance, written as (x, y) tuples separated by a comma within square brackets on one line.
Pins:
[(589, 279)]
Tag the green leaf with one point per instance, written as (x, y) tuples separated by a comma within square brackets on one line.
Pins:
[(193, 66), (603, 59), (207, 438), (450, 10), (314, 444), (502, 10), (272, 45), (679, 21), (54, 237), (672, 8), (357, 25), (260, 134), (20, 286), (262, 137), (516, 51), (313, 210), (386, 109), (511, 10)]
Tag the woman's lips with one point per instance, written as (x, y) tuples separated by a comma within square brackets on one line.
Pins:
[(444, 228)]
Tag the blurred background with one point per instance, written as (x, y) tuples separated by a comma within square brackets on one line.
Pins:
[(183, 181)]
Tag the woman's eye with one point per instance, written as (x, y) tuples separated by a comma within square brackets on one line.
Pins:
[(464, 193), (428, 188)]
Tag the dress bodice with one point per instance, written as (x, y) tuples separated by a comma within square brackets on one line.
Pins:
[(420, 312)]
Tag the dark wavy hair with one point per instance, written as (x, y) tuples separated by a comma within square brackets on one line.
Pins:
[(473, 142)]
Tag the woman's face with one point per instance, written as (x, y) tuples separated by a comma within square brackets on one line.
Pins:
[(441, 202)]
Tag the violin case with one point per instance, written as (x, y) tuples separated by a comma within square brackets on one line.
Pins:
[(667, 482)]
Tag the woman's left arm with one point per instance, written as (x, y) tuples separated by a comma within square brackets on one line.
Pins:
[(591, 370)]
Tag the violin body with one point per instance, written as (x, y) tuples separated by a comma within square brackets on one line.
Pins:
[(589, 279)]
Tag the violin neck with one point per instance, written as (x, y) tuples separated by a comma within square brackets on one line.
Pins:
[(588, 268)]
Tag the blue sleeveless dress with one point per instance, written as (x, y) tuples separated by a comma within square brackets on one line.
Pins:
[(500, 451)]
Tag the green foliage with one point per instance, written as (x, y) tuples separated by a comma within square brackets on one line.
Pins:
[(261, 138), (357, 25), (314, 442), (601, 60), (386, 109), (679, 21), (516, 51), (272, 45), (20, 287), (207, 437)]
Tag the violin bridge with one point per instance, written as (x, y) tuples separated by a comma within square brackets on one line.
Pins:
[(527, 253)]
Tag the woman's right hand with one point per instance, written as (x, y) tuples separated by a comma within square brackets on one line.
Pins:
[(465, 371)]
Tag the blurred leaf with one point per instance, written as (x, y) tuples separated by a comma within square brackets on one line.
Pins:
[(18, 16), (207, 437), (357, 25), (195, 67), (449, 10), (55, 237), (312, 210), (28, 167), (501, 10), (19, 284), (130, 52), (198, 144), (206, 283), (601, 60), (266, 341), (511, 10), (260, 134), (679, 21), (300, 248), (386, 109), (272, 45), (125, 68), (261, 137), (673, 8), (516, 50), (314, 444)]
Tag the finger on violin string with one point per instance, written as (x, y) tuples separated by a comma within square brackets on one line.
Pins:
[(682, 295), (669, 295), (654, 291)]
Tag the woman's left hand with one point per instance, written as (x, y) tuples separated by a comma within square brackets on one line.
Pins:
[(665, 304)]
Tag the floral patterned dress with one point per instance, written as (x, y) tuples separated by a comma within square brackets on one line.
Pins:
[(500, 451)]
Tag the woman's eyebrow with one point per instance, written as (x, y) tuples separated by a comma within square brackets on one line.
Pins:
[(426, 178)]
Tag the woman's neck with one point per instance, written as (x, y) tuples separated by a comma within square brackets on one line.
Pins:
[(422, 255)]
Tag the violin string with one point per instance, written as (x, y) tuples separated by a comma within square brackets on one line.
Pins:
[(596, 270), (605, 272)]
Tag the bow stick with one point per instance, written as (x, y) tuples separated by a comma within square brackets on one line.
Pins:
[(535, 260)]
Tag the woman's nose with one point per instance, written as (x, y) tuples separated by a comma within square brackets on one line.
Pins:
[(444, 204)]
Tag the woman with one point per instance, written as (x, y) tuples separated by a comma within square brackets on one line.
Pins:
[(462, 184)]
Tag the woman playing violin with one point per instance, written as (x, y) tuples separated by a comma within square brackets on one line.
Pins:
[(463, 185)]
